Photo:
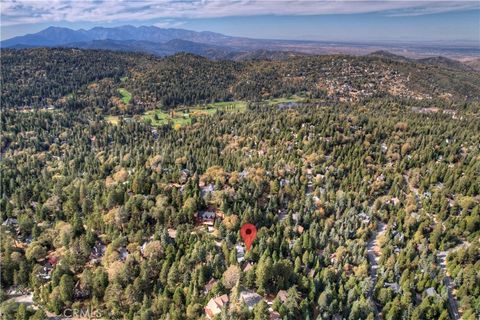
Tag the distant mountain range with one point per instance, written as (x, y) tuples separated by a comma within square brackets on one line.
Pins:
[(154, 40), (163, 42), (57, 36)]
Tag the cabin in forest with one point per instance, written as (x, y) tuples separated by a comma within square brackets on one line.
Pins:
[(172, 233), (247, 267), (11, 224), (250, 298), (208, 216), (123, 253), (207, 189), (215, 306), (240, 253), (205, 217), (210, 285)]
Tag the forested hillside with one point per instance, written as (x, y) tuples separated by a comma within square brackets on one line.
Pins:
[(362, 176), (98, 219), (81, 78)]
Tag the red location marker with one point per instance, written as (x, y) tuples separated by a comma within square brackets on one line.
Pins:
[(248, 232)]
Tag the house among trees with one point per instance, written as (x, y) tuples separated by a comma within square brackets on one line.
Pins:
[(172, 233), (184, 174), (46, 271), (80, 292), (123, 253), (11, 223), (215, 306), (207, 189), (247, 267), (97, 252), (240, 253), (206, 218), (250, 298), (210, 285), (52, 260)]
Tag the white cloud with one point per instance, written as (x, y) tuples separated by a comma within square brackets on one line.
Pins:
[(15, 12), (169, 23)]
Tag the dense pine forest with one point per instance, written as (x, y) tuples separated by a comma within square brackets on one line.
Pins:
[(361, 174), (85, 78)]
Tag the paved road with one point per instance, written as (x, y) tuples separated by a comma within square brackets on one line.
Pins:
[(25, 298), (452, 302), (447, 281), (373, 258)]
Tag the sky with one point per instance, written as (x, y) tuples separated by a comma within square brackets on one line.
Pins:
[(353, 20)]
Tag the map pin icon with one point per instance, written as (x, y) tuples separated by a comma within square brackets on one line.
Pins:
[(248, 232)]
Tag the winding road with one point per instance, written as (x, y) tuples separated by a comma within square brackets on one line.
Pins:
[(373, 258), (447, 281)]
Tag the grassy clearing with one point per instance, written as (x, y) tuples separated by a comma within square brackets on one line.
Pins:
[(183, 116), (228, 106), (126, 96), (160, 117), (113, 119), (276, 101)]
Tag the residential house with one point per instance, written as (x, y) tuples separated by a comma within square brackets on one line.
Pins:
[(250, 298), (206, 218), (247, 267), (209, 188), (10, 222), (215, 306), (46, 271), (184, 174), (364, 217), (240, 253), (299, 229), (123, 253), (172, 233), (97, 252), (333, 257), (295, 217), (209, 285), (79, 292)]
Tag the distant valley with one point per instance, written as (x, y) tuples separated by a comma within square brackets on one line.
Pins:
[(163, 42)]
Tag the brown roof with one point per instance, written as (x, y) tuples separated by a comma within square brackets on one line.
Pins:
[(221, 300), (215, 305), (210, 284), (247, 267)]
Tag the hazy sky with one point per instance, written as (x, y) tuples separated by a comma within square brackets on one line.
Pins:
[(352, 20)]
